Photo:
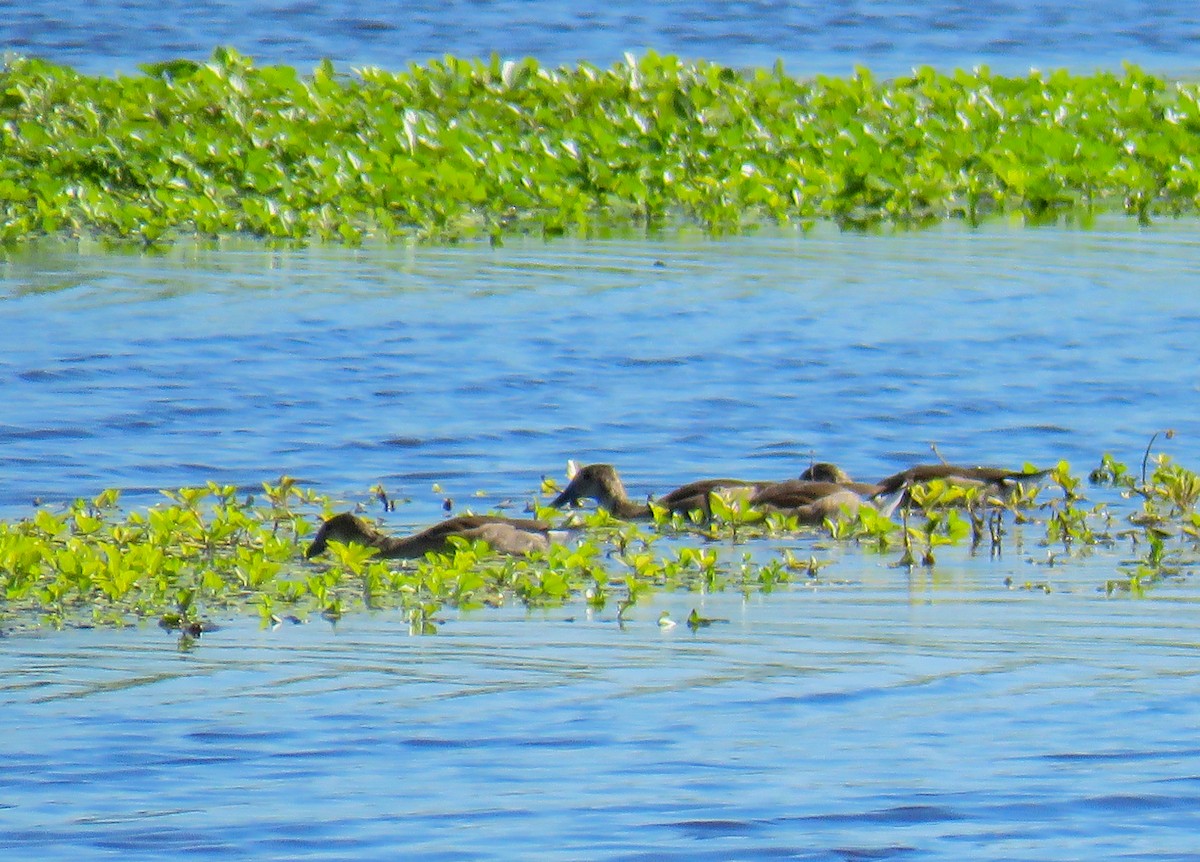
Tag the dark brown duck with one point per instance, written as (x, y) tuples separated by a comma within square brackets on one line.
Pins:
[(996, 477), (505, 535), (602, 483)]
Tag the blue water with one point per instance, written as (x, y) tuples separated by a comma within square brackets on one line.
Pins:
[(483, 369), (874, 713), (871, 714), (883, 721), (810, 37)]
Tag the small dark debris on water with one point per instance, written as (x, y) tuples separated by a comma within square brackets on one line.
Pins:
[(194, 628), (695, 621)]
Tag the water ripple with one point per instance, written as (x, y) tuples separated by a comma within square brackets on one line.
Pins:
[(822, 719)]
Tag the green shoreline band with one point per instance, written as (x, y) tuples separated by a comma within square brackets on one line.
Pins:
[(479, 149)]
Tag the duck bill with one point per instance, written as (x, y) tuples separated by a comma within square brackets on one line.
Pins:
[(569, 497), (317, 546), (576, 490)]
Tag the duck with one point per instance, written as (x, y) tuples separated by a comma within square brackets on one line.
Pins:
[(810, 505), (602, 483), (823, 491), (824, 471), (514, 536), (993, 477), (796, 493)]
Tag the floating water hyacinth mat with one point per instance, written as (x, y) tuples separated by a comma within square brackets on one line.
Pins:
[(460, 149), (204, 553)]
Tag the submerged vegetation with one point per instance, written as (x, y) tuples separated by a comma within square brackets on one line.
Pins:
[(463, 148), (204, 552)]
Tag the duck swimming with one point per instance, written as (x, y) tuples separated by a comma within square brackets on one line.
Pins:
[(995, 477), (889, 492), (823, 471), (514, 536), (802, 498), (602, 483), (810, 505), (823, 492), (810, 500)]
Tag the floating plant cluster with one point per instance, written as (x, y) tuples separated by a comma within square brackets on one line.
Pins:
[(460, 149), (206, 553)]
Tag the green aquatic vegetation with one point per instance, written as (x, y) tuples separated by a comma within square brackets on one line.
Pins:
[(756, 572), (986, 512), (1189, 527), (941, 525), (730, 513), (179, 558), (482, 148), (1159, 562), (562, 571), (1067, 482), (1170, 491), (811, 568), (203, 552), (942, 512), (764, 577), (733, 519), (687, 568), (1030, 586), (1072, 527), (868, 527), (930, 499), (1175, 486), (704, 563), (635, 591), (1165, 530), (989, 509), (422, 619), (1112, 473), (695, 621), (623, 535), (1168, 434)]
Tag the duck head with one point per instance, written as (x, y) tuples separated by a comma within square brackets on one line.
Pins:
[(599, 482), (340, 528), (823, 471)]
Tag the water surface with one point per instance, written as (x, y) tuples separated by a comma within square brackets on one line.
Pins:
[(886, 719), (881, 714), (809, 37), (483, 369), (962, 712)]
